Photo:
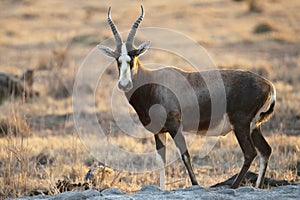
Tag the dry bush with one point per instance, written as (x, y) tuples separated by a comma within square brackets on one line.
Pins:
[(33, 165), (101, 177), (16, 166), (45, 157), (14, 127), (254, 6), (264, 27), (62, 168), (60, 88), (60, 83)]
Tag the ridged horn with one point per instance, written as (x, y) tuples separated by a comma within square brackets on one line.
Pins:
[(133, 30), (114, 29)]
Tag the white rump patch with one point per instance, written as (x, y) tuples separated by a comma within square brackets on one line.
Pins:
[(264, 108)]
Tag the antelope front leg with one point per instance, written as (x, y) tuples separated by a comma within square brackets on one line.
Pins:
[(161, 141), (181, 145)]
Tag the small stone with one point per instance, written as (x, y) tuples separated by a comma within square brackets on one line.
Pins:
[(194, 188), (287, 188), (228, 192), (165, 192), (75, 195), (245, 189), (91, 193), (110, 191), (149, 188)]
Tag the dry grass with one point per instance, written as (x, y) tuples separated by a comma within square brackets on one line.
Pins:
[(40, 151), (33, 164)]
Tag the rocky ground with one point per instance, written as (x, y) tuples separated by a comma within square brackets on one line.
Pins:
[(192, 192), (280, 189)]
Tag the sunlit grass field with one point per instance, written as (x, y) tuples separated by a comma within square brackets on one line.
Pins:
[(39, 142)]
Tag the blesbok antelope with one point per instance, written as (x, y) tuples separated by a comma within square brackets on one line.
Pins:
[(250, 101), (11, 85)]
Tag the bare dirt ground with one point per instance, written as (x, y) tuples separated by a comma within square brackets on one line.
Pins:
[(40, 150)]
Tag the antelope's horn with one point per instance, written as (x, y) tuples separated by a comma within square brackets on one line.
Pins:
[(114, 29), (132, 32)]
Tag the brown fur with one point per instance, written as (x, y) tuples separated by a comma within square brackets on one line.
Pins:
[(246, 93)]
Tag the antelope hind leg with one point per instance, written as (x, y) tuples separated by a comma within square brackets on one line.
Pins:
[(242, 133), (264, 151)]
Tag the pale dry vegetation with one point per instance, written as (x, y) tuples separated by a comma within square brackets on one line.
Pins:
[(40, 150)]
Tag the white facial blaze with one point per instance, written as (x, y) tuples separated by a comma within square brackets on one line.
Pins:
[(125, 75)]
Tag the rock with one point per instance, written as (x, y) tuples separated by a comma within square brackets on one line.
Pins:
[(75, 195), (287, 189), (150, 192), (112, 191), (149, 189), (227, 191), (66, 196), (251, 178), (194, 188), (245, 189)]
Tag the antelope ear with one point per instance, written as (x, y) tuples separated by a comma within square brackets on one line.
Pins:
[(107, 51), (143, 48)]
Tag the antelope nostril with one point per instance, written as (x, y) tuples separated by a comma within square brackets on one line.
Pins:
[(125, 87), (129, 85), (120, 86)]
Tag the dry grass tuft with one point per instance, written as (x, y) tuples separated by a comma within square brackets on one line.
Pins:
[(255, 6), (264, 27), (16, 167), (15, 127), (60, 88), (60, 85)]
